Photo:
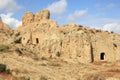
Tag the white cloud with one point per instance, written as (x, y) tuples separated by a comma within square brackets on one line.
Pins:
[(115, 27), (99, 22), (9, 5), (58, 7), (8, 19), (76, 15), (108, 24)]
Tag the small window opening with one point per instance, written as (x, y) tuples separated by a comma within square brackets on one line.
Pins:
[(115, 45), (102, 56), (37, 40)]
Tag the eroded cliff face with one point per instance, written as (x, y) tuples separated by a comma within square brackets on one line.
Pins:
[(68, 42), (5, 33)]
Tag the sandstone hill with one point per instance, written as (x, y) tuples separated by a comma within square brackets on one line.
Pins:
[(71, 42), (40, 49), (5, 32)]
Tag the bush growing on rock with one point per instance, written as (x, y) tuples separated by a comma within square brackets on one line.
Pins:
[(3, 68), (4, 48), (18, 41)]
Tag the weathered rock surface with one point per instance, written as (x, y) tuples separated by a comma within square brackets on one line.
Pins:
[(29, 17), (72, 43), (5, 33), (43, 50)]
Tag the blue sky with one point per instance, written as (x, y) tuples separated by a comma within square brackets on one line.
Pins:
[(100, 14)]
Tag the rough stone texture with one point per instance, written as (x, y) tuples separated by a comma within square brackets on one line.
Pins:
[(5, 33), (29, 17), (113, 78), (45, 14), (69, 42), (49, 51)]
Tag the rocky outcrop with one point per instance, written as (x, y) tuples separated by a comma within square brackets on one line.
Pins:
[(45, 14), (29, 17), (72, 42), (5, 33), (40, 45)]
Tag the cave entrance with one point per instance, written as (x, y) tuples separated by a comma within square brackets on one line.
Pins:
[(102, 56), (37, 40)]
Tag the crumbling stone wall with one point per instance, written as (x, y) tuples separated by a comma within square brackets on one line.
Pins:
[(45, 14), (29, 17), (36, 24)]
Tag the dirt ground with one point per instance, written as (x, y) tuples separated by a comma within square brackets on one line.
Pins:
[(55, 69)]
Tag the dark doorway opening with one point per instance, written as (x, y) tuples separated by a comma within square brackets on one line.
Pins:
[(37, 40), (102, 56)]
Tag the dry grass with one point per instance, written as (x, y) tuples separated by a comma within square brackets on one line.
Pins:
[(43, 77), (24, 78), (113, 72), (116, 70), (57, 69), (43, 64), (17, 71), (100, 62), (54, 64), (92, 76), (4, 48)]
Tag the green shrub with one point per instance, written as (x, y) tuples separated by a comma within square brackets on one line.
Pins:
[(25, 78), (58, 54), (8, 71), (2, 68), (4, 48), (18, 41), (80, 26)]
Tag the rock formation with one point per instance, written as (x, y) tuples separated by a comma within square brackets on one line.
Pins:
[(40, 49), (68, 42), (5, 33), (29, 17)]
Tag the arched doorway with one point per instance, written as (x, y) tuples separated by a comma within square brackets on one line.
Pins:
[(102, 56)]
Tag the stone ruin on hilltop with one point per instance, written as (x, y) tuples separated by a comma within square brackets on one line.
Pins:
[(69, 42), (29, 17)]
